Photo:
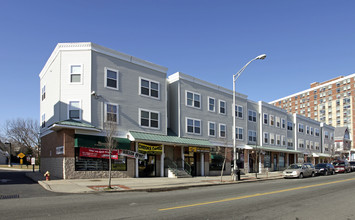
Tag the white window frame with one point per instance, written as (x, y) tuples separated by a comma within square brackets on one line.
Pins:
[(283, 123), (193, 99), (278, 140), (149, 88), (225, 130), (272, 120), (43, 92), (117, 112), (43, 120), (208, 104), (267, 119), (236, 110), (117, 81), (225, 107), (214, 128), (253, 135), (237, 130), (252, 115), (150, 111), (193, 119), (80, 111), (277, 121), (283, 140), (272, 139), (268, 138), (299, 128), (81, 74)]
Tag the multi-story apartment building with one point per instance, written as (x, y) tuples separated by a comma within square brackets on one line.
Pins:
[(159, 123), (330, 102)]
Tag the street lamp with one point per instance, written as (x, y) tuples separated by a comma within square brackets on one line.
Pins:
[(235, 77), (7, 143)]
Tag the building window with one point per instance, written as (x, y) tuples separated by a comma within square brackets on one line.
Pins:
[(193, 99), (326, 134), (307, 144), (211, 129), (74, 110), (312, 131), (272, 138), (111, 112), (239, 133), (289, 142), (222, 130), (316, 144), (316, 132), (111, 78), (277, 121), (239, 111), (283, 123), (149, 88), (300, 128), (193, 126), (266, 138), (43, 92), (307, 129), (149, 119), (43, 121), (266, 118), (300, 143), (311, 145), (272, 120), (252, 116), (75, 73), (211, 104), (283, 140), (222, 107), (278, 140), (289, 125), (252, 136)]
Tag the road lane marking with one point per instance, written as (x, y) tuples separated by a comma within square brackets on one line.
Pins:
[(255, 195)]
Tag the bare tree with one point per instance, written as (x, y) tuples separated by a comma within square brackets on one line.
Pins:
[(23, 133), (110, 128)]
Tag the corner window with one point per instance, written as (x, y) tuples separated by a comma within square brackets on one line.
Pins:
[(74, 110), (193, 99), (222, 107), (149, 119), (75, 73), (111, 78), (193, 126), (149, 88), (222, 130), (211, 129), (111, 112)]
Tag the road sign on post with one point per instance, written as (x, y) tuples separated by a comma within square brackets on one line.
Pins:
[(33, 163), (21, 155)]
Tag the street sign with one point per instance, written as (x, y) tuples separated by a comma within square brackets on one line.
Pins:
[(21, 155), (33, 161)]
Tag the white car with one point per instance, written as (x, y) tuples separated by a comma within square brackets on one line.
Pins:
[(299, 170)]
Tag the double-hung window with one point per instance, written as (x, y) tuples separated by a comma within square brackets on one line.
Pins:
[(239, 111), (222, 130), (272, 138), (252, 115), (111, 78), (252, 136), (211, 104), (278, 139), (307, 129), (283, 140), (222, 107), (149, 119), (43, 92), (239, 133), (43, 120), (266, 119), (300, 128), (76, 73), (289, 125), (193, 126), (316, 132), (211, 129), (74, 111), (193, 99), (266, 138), (149, 88), (111, 112), (277, 121), (272, 120), (283, 123)]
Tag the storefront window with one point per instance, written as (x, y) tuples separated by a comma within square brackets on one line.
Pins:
[(267, 160), (217, 159), (99, 164)]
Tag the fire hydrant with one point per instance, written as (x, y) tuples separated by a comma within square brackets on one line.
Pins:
[(47, 175)]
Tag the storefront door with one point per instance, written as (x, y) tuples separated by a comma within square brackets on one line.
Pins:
[(191, 160), (147, 167), (275, 162)]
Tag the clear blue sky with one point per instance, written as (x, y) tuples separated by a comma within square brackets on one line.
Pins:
[(305, 41)]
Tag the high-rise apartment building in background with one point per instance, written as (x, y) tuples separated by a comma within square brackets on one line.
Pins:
[(331, 102)]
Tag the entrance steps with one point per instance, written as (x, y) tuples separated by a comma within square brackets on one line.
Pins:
[(178, 173)]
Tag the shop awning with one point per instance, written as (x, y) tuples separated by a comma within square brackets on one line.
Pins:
[(73, 124), (93, 141), (167, 139), (274, 149)]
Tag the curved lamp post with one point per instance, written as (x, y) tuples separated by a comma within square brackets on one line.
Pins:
[(235, 77)]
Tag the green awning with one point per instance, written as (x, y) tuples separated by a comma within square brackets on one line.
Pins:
[(94, 141), (275, 149), (73, 124), (167, 139)]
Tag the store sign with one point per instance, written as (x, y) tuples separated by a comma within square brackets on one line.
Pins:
[(59, 150), (104, 153), (199, 149), (150, 148)]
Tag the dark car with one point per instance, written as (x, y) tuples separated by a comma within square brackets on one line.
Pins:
[(325, 169), (352, 165), (342, 166)]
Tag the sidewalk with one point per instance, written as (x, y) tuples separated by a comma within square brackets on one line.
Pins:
[(154, 184)]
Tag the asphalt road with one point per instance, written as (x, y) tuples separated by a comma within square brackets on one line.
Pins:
[(328, 197)]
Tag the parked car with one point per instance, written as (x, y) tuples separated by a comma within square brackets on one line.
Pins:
[(299, 170), (342, 166), (325, 169), (352, 165)]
